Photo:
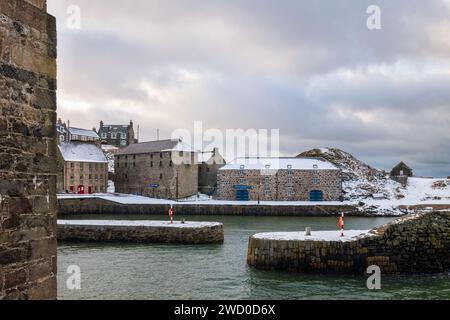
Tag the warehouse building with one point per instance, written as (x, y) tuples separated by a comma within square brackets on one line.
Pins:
[(279, 179)]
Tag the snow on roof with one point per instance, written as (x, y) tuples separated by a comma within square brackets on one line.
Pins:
[(82, 152), (83, 132), (156, 146), (279, 164)]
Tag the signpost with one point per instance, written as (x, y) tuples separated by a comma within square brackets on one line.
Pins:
[(153, 186)]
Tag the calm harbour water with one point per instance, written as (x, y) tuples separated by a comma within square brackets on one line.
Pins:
[(131, 271)]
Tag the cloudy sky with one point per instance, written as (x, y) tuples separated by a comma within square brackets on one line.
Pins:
[(309, 68)]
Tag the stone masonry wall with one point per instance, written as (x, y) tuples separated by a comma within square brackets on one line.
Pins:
[(104, 207), (27, 150), (418, 243), (135, 173), (301, 184), (174, 235)]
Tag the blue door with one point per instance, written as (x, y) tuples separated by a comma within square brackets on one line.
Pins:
[(242, 195), (316, 195)]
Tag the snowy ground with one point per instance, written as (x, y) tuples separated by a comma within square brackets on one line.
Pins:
[(349, 235), (141, 223)]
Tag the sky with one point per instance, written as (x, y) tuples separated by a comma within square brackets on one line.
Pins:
[(310, 68)]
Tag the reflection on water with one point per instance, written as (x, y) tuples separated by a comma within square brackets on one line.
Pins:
[(139, 271)]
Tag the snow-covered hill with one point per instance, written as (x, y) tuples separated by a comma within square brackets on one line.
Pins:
[(360, 181), (376, 192)]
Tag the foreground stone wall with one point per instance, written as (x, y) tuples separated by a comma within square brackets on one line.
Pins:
[(184, 235), (417, 243), (27, 150), (101, 206)]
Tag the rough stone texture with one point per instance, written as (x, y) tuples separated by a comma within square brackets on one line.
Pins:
[(27, 151), (418, 243), (278, 186), (134, 173), (142, 234), (101, 206)]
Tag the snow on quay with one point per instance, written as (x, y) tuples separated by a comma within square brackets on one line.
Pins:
[(349, 235), (138, 223)]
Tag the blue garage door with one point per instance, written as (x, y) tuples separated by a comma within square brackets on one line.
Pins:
[(316, 195), (242, 195)]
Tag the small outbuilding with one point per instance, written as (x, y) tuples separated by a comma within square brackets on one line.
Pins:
[(401, 170)]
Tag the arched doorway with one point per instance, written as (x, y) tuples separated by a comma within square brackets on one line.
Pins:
[(316, 195)]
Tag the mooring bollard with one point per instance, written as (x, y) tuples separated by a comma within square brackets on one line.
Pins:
[(308, 231)]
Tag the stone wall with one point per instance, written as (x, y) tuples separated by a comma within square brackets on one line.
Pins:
[(27, 150), (277, 185), (211, 234), (418, 243), (135, 173), (101, 206)]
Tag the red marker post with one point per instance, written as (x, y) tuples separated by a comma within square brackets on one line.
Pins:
[(171, 214), (341, 224)]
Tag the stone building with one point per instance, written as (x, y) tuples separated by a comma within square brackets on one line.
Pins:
[(28, 151), (61, 131), (209, 164), (279, 179), (401, 172), (66, 133), (162, 169), (83, 168), (117, 135)]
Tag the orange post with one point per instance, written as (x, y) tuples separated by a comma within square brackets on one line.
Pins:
[(341, 224)]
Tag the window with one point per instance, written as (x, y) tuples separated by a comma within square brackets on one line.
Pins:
[(171, 163), (104, 135), (118, 158), (290, 191), (81, 166), (151, 155), (126, 177), (134, 164), (160, 164), (96, 177), (160, 176), (72, 179), (91, 166), (151, 164), (123, 135), (123, 143), (90, 177), (316, 181), (113, 135), (160, 155)]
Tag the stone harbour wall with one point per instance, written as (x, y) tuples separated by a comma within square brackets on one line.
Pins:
[(143, 234), (418, 243), (82, 206), (27, 150)]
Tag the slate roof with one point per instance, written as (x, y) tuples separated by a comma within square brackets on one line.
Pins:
[(82, 152), (83, 132), (156, 146)]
